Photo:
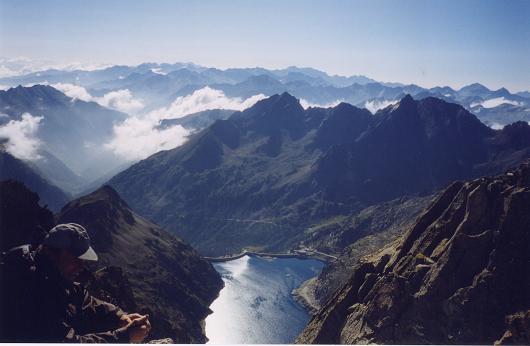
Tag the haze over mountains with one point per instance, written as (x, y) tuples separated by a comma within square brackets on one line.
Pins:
[(150, 86), (153, 99)]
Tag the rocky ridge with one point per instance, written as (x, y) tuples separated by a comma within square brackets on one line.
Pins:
[(453, 278)]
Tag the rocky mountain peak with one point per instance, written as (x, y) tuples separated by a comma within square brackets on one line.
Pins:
[(104, 209), (344, 124), (276, 113), (474, 86), (35, 91)]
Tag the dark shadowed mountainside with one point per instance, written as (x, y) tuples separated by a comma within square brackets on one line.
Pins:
[(458, 276), (267, 176), (23, 220), (167, 277), (13, 168)]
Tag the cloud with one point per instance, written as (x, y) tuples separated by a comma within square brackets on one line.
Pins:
[(495, 125), (120, 100), (492, 103), (306, 104), (202, 100), (140, 136), (20, 134), (10, 67), (158, 70), (73, 91), (375, 105)]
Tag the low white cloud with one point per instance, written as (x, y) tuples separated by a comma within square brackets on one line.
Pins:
[(137, 138), (496, 126), (306, 104), (158, 70), (10, 67), (120, 100), (80, 66), (375, 105), (21, 137), (202, 100), (73, 91), (492, 103), (140, 136)]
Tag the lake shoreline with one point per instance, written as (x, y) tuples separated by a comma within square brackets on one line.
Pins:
[(300, 255), (305, 295)]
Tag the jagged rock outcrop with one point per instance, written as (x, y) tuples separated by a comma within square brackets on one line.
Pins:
[(452, 279), (362, 234), (518, 329), (169, 280)]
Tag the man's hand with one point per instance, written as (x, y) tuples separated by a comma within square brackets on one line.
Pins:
[(137, 328), (128, 318)]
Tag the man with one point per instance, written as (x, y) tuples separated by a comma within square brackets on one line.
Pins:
[(42, 302)]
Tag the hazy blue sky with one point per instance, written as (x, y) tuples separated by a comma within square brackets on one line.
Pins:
[(424, 42)]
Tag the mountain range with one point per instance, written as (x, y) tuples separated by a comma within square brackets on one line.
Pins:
[(157, 85), (269, 177)]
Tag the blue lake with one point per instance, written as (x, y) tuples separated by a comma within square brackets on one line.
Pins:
[(256, 305)]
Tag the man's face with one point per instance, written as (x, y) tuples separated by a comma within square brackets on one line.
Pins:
[(69, 265)]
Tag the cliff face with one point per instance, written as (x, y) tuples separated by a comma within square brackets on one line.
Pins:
[(456, 277), (169, 280)]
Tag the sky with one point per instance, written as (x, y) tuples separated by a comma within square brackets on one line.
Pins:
[(424, 42)]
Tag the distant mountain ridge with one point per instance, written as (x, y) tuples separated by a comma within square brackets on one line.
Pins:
[(158, 85), (261, 177)]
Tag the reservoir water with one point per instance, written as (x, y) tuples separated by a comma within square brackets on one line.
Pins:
[(256, 305)]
